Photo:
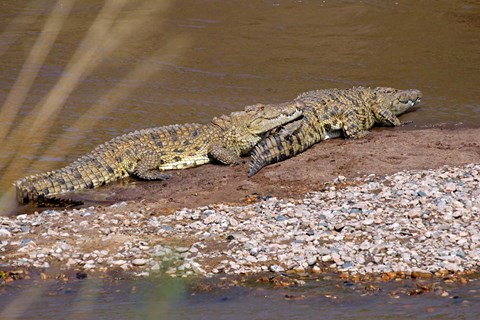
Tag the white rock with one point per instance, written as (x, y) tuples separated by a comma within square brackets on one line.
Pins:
[(5, 233), (276, 268), (139, 262)]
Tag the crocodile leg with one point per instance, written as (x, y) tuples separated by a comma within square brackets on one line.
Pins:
[(224, 155), (147, 167), (352, 125), (385, 116), (142, 172)]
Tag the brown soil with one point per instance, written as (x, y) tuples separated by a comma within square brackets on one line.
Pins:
[(384, 151)]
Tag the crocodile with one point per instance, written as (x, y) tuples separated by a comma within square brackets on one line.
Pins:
[(147, 153), (331, 113)]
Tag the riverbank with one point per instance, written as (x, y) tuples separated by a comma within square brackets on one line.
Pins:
[(399, 202)]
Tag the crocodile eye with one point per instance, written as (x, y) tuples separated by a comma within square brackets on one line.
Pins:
[(254, 108)]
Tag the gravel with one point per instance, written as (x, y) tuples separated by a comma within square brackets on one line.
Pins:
[(415, 222)]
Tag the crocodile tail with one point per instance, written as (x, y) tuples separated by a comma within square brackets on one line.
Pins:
[(42, 200), (49, 201), (34, 190), (270, 150), (286, 142), (257, 162)]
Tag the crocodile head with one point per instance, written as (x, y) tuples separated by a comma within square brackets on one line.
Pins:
[(398, 101), (261, 118), (258, 119)]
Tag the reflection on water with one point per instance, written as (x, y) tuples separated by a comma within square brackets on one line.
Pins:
[(188, 61)]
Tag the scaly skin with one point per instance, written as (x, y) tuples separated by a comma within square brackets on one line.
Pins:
[(329, 114), (145, 154)]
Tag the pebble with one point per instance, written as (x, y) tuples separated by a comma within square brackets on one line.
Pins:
[(139, 262), (5, 233), (276, 268), (421, 223)]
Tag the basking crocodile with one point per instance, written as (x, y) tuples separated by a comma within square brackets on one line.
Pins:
[(329, 114), (145, 154)]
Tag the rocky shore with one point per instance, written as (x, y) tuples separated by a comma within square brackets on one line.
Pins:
[(419, 222)]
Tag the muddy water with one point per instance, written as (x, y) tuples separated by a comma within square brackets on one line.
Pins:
[(327, 299)]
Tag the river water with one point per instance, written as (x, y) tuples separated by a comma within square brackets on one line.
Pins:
[(172, 299), (74, 74)]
